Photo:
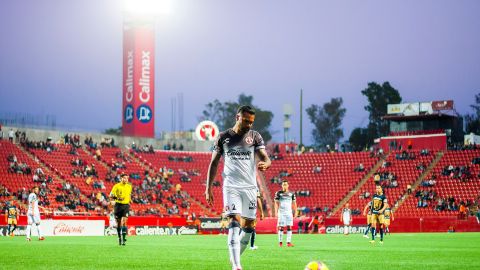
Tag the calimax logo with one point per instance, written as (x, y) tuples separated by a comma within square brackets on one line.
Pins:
[(236, 152)]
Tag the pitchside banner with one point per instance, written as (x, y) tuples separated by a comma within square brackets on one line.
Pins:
[(58, 227), (138, 80), (337, 229)]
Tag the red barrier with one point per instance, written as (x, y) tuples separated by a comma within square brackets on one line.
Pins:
[(426, 224), (269, 225)]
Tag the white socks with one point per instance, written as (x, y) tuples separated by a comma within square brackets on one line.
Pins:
[(280, 236), (29, 229), (289, 236), (245, 236), (234, 243), (39, 230)]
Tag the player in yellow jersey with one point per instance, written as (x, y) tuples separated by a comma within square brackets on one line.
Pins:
[(121, 194), (367, 211), (379, 203), (388, 213), (11, 217)]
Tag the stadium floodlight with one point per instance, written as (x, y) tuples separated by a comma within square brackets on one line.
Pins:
[(147, 7)]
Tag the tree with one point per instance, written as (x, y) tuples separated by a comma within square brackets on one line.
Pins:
[(223, 114), (472, 121), (359, 139), (379, 96), (114, 131), (327, 120)]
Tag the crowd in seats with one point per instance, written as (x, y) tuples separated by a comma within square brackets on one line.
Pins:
[(462, 146), (320, 180), (386, 179), (425, 197), (173, 146), (450, 187), (359, 168), (397, 172), (430, 181), (462, 173)]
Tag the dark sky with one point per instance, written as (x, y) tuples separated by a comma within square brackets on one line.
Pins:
[(64, 58)]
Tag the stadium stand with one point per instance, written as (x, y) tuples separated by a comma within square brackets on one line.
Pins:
[(173, 182), (462, 187), (323, 188), (395, 169)]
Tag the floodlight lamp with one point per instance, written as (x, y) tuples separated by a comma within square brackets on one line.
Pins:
[(147, 7)]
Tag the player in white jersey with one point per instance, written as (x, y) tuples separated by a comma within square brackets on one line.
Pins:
[(346, 218), (238, 146), (286, 207), (112, 222), (33, 214)]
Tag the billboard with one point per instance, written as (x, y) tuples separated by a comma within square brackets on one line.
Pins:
[(442, 105), (404, 108), (61, 227), (138, 107)]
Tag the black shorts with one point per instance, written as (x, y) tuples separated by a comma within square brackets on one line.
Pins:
[(121, 210)]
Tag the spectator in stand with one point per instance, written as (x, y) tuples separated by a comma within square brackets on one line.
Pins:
[(11, 133), (462, 212), (424, 152), (360, 168), (365, 195), (73, 151), (98, 154), (421, 166), (317, 169), (376, 179)]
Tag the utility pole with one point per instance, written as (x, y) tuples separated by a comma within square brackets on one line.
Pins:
[(301, 116)]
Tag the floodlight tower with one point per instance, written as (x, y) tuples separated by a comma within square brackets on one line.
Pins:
[(287, 123), (138, 108)]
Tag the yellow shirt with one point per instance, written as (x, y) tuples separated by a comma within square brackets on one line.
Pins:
[(122, 192)]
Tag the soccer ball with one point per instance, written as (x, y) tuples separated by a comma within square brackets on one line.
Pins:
[(316, 265)]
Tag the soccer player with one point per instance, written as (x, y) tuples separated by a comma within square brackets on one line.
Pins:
[(33, 214), (368, 208), (388, 218), (346, 218), (285, 203), (112, 222), (379, 203), (238, 145), (254, 233), (121, 193), (11, 217)]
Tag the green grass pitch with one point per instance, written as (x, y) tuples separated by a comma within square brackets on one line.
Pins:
[(400, 251)]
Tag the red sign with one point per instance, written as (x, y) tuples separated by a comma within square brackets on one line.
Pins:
[(138, 107), (442, 105)]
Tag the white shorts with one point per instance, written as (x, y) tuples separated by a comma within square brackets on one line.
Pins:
[(285, 220), (33, 218), (240, 202), (346, 223)]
